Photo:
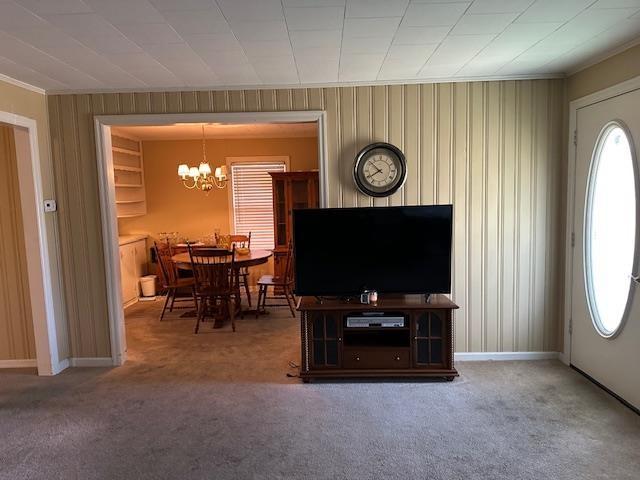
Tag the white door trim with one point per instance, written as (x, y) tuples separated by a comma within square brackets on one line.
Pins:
[(574, 106), (103, 124), (38, 264)]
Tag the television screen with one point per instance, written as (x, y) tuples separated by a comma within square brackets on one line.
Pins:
[(342, 251)]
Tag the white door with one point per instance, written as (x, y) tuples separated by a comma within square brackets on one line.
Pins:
[(605, 339)]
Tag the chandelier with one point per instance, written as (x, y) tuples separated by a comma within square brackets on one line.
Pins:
[(200, 177)]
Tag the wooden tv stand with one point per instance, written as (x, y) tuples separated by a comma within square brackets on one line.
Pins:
[(423, 347)]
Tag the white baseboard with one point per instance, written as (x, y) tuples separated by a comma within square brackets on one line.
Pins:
[(22, 363), (60, 366), (563, 358), (503, 356), (91, 362)]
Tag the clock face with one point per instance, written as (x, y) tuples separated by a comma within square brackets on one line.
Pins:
[(380, 170)]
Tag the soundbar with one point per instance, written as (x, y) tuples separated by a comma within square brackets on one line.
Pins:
[(367, 321)]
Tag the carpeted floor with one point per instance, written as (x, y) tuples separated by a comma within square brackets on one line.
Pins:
[(220, 406)]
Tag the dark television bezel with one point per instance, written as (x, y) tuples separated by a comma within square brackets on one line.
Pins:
[(395, 292)]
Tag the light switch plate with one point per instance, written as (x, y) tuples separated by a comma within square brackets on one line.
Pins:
[(50, 206)]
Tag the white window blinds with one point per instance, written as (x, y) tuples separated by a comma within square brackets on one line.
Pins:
[(253, 201)]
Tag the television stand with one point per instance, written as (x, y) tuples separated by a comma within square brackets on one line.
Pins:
[(399, 336)]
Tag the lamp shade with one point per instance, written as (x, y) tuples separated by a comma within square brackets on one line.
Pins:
[(221, 173), (183, 170), (205, 169), (194, 172)]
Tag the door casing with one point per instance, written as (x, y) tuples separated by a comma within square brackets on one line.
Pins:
[(574, 106)]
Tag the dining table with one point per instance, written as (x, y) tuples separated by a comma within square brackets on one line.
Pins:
[(251, 259), (182, 261)]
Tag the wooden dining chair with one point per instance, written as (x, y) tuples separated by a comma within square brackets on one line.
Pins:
[(243, 241), (214, 274), (284, 284), (171, 281)]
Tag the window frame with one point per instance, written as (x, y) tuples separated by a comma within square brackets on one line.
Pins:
[(591, 179), (249, 160)]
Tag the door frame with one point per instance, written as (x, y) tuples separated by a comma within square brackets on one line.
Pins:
[(106, 183), (39, 273), (575, 105)]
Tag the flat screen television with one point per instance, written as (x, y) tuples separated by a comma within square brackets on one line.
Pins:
[(342, 251)]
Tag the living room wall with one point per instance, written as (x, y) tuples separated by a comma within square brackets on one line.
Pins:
[(493, 149)]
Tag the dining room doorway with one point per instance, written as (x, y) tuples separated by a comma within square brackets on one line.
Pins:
[(138, 212)]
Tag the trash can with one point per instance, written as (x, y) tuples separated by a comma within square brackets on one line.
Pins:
[(148, 285)]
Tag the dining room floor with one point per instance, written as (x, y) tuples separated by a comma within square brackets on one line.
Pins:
[(259, 351), (220, 405)]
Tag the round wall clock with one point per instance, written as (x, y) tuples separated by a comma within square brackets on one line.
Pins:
[(380, 169)]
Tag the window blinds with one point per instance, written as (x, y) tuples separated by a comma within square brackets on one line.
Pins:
[(253, 201)]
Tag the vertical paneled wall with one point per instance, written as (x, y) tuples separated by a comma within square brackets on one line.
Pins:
[(493, 149), (16, 323)]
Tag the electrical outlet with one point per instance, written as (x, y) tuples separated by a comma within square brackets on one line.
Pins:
[(50, 206)]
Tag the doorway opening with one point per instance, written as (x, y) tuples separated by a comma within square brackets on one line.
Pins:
[(152, 174), (29, 326)]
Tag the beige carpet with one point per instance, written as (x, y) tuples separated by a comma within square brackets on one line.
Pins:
[(220, 406)]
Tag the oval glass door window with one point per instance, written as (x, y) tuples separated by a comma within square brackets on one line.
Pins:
[(610, 229)]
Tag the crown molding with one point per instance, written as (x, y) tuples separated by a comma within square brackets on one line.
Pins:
[(307, 85), (18, 83), (601, 58)]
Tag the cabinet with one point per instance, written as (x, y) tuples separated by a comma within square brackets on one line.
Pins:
[(421, 347), (128, 174), (291, 190), (133, 265), (325, 338)]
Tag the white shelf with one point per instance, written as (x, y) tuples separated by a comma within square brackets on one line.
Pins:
[(128, 168), (124, 168), (127, 151)]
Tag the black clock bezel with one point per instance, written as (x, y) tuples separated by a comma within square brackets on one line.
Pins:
[(363, 154)]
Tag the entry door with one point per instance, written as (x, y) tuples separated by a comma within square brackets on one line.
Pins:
[(605, 339)]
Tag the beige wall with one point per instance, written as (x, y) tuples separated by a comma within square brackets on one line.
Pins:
[(609, 72), (16, 322), (494, 149), (33, 105), (171, 207)]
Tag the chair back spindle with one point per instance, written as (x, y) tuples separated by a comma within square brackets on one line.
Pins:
[(213, 270), (241, 241), (167, 267)]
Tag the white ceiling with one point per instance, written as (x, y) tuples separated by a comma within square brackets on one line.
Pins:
[(193, 131), (71, 45)]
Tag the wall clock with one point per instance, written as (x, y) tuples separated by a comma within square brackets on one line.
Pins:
[(380, 169)]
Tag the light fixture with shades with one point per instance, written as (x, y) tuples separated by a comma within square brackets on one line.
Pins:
[(200, 177)]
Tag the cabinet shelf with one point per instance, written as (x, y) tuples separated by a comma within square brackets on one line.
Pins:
[(121, 202), (128, 185)]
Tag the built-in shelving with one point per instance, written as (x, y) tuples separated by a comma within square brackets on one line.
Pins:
[(128, 171)]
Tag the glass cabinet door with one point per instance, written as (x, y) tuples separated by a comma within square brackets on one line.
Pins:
[(280, 205), (300, 194), (428, 339), (326, 336)]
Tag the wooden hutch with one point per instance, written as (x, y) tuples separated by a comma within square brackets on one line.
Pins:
[(291, 190), (422, 346)]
